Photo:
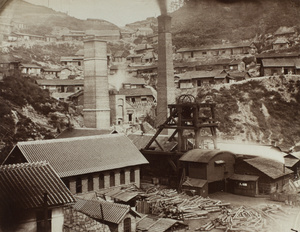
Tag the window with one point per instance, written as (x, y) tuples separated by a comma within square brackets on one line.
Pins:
[(112, 179), (132, 175), (90, 183), (127, 225), (101, 181), (78, 185), (122, 177), (204, 53), (40, 220)]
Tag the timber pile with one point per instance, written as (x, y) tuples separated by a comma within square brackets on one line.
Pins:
[(242, 219), (169, 203)]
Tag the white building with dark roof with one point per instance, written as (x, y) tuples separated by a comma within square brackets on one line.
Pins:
[(27, 190), (86, 164)]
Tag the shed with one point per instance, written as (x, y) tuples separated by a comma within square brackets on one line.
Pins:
[(272, 173), (246, 185), (118, 217), (215, 166), (199, 186), (159, 225)]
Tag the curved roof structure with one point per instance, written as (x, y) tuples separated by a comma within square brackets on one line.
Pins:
[(202, 155)]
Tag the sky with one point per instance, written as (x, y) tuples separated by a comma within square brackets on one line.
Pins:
[(119, 12)]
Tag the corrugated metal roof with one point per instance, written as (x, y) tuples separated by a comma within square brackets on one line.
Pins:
[(24, 185), (271, 168), (82, 132), (194, 182), (125, 196), (201, 155), (244, 177), (60, 82), (145, 223), (112, 212), (290, 162), (82, 155)]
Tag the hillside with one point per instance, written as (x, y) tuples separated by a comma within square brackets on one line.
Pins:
[(28, 113), (42, 20), (258, 110), (211, 21)]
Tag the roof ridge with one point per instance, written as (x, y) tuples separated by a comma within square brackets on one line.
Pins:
[(67, 139), (23, 165)]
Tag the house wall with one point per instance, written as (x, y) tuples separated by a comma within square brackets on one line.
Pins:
[(133, 223), (238, 187), (223, 171), (266, 185), (64, 74), (57, 219), (197, 170), (84, 180), (276, 70), (203, 192)]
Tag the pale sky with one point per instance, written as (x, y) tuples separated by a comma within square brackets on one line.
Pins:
[(119, 12)]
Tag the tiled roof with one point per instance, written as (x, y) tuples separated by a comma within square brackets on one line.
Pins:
[(217, 46), (198, 74), (82, 155), (271, 168), (112, 212), (194, 182), (277, 55), (60, 82), (244, 177), (285, 30), (30, 66), (156, 225), (278, 62), (134, 81), (135, 92), (143, 47), (281, 41), (24, 185), (81, 132), (201, 155), (290, 162)]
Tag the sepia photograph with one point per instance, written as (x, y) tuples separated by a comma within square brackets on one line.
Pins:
[(149, 115)]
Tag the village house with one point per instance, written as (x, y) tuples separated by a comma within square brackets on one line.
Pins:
[(143, 48), (268, 176), (133, 83), (108, 161), (28, 37), (277, 63), (29, 191), (137, 95), (149, 58), (9, 65), (65, 72), (222, 50), (280, 43), (143, 70), (61, 89), (143, 31), (30, 69), (73, 36), (76, 61), (198, 78), (135, 58), (152, 39), (118, 217), (50, 73), (292, 161), (50, 38), (120, 56), (17, 25), (108, 35), (207, 170), (286, 32), (234, 76)]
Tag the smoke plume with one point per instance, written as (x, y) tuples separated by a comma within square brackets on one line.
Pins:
[(163, 6)]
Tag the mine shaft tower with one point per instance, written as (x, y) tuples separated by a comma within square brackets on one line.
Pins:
[(193, 123)]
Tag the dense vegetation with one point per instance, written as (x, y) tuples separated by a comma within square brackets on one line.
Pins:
[(261, 110), (19, 95)]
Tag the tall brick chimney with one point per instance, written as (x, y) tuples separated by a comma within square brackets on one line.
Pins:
[(96, 110), (165, 80)]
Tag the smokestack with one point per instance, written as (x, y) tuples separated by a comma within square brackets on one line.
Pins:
[(165, 80), (96, 110)]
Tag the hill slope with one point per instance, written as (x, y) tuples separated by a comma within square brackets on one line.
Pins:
[(210, 21), (42, 20), (262, 109)]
